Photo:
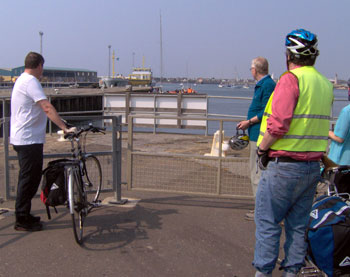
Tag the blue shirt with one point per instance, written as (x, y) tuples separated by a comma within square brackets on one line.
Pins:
[(262, 92), (340, 152)]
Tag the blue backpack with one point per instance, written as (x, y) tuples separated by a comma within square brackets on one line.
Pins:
[(328, 235)]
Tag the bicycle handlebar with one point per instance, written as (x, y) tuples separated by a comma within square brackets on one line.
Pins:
[(78, 133)]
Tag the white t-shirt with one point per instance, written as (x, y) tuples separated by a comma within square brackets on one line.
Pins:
[(28, 120)]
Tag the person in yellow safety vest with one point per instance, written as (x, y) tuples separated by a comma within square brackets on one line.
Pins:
[(293, 137)]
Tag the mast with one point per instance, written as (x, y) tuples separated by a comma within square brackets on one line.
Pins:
[(187, 73), (113, 56), (161, 50)]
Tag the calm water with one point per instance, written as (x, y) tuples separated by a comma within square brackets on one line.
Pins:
[(239, 107)]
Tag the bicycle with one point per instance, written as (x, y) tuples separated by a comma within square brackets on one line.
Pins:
[(83, 178), (335, 182)]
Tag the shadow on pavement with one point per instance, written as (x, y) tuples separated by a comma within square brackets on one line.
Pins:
[(113, 229)]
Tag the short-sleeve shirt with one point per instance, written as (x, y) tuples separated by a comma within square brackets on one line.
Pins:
[(340, 152), (28, 120)]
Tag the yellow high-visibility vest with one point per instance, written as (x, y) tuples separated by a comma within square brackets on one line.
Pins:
[(309, 127)]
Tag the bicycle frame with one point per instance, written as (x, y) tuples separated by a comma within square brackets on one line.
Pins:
[(73, 174), (79, 153)]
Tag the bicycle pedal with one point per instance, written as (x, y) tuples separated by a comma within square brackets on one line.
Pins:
[(88, 185), (97, 203), (310, 272)]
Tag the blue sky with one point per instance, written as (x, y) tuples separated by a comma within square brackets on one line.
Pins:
[(201, 38)]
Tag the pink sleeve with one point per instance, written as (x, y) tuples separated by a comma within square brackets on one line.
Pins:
[(284, 101)]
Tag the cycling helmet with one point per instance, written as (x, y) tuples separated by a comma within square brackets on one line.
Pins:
[(302, 42), (239, 141)]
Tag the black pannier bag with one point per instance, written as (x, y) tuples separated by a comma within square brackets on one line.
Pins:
[(53, 188), (342, 179), (328, 235)]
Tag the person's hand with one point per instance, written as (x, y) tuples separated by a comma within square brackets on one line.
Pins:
[(243, 125), (70, 130), (262, 158)]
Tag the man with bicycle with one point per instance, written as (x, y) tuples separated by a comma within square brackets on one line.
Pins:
[(29, 111), (293, 138)]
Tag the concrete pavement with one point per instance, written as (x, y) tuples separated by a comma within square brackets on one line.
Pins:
[(163, 235)]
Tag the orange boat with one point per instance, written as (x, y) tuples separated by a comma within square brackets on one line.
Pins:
[(183, 91)]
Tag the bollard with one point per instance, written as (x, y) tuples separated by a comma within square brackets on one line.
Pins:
[(215, 147)]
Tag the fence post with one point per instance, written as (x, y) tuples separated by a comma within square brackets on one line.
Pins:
[(129, 158), (154, 113), (179, 110), (218, 179), (6, 158), (206, 116), (50, 123), (127, 105), (117, 160), (3, 117)]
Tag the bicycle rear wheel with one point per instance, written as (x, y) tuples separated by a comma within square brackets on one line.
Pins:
[(77, 205), (92, 178)]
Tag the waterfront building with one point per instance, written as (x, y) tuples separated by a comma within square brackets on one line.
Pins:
[(59, 74)]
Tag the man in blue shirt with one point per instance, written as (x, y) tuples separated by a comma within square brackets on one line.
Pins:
[(263, 89), (340, 146)]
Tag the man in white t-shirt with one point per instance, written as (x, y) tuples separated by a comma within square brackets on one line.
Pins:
[(29, 111)]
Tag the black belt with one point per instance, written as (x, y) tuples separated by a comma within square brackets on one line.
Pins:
[(285, 159)]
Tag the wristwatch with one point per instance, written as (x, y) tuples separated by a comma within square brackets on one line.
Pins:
[(250, 122)]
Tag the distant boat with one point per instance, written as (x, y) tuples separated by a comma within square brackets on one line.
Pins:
[(183, 91), (228, 86), (109, 82), (245, 86), (141, 76), (237, 86)]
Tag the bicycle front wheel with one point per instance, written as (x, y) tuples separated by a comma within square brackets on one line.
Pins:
[(92, 178), (77, 205)]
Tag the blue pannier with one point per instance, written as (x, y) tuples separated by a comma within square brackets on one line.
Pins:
[(328, 235)]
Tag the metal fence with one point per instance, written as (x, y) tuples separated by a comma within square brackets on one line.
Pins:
[(110, 160), (181, 170)]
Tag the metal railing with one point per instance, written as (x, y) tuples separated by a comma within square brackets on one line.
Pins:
[(5, 99), (110, 160), (230, 98), (149, 169)]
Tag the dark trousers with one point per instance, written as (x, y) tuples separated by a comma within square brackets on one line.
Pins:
[(30, 158)]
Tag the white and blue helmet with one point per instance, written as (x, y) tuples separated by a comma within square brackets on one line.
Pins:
[(302, 43)]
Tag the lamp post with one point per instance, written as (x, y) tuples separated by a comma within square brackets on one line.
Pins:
[(109, 61), (41, 42)]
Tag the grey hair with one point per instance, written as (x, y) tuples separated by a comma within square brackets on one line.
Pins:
[(261, 65)]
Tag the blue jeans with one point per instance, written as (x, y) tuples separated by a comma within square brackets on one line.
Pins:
[(285, 192)]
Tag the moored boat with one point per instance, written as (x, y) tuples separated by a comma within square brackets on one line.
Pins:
[(183, 91), (141, 76)]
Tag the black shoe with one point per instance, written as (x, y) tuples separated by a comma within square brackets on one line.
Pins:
[(24, 223), (34, 218)]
